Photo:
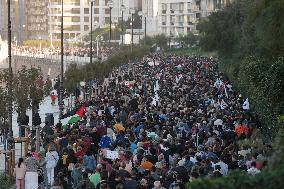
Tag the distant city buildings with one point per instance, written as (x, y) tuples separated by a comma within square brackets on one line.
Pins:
[(41, 19), (179, 17)]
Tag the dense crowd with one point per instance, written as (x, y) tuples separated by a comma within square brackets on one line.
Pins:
[(70, 51), (160, 123)]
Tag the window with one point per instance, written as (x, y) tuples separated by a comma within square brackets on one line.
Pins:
[(72, 28), (164, 7), (86, 10), (86, 28), (96, 11), (164, 19), (86, 19), (75, 19), (107, 11)]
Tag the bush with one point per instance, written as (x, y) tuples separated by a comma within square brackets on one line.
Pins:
[(6, 181)]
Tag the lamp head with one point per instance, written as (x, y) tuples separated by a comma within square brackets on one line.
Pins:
[(123, 7), (110, 4)]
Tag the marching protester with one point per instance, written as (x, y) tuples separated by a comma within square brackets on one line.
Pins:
[(31, 178), (20, 173)]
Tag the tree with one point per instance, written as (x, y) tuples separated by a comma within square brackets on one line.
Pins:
[(221, 31), (3, 108)]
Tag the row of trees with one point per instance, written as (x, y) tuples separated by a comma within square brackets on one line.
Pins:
[(28, 90), (248, 36)]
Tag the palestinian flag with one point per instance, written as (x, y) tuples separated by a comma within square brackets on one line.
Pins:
[(81, 111)]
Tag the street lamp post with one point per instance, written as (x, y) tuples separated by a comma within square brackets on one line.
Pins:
[(10, 110), (132, 11), (122, 24), (145, 25), (62, 59), (140, 15), (110, 5), (91, 43)]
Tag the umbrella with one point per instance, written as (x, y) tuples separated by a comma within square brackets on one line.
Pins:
[(74, 119)]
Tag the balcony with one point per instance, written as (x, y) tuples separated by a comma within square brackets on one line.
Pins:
[(163, 23), (164, 11), (172, 23), (172, 11)]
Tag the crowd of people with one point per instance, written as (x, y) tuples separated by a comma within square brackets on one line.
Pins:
[(70, 51), (158, 123)]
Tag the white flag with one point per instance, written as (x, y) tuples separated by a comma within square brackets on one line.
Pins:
[(156, 86), (246, 105), (226, 91), (223, 105), (217, 83)]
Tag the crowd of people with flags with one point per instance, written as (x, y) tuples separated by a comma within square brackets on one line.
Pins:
[(158, 123), (23, 50)]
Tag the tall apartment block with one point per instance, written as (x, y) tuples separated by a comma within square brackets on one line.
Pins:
[(179, 17), (36, 23)]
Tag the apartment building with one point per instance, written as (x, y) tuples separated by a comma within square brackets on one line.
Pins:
[(150, 10), (17, 19), (77, 17), (36, 22), (178, 17)]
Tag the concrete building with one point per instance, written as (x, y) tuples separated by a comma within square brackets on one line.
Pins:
[(178, 17), (17, 14), (36, 22), (77, 17), (150, 10)]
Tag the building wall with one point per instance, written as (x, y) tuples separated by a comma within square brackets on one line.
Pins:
[(77, 17), (36, 23), (179, 17)]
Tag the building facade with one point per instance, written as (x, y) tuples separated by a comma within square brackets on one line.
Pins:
[(179, 17), (17, 19), (36, 22), (77, 17)]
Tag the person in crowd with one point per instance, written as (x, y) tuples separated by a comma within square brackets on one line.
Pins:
[(31, 178), (51, 162), (95, 177), (20, 173), (42, 171)]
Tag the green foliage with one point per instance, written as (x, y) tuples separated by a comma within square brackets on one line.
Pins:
[(263, 28), (221, 31), (27, 90), (3, 108), (6, 182), (189, 40), (99, 70)]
